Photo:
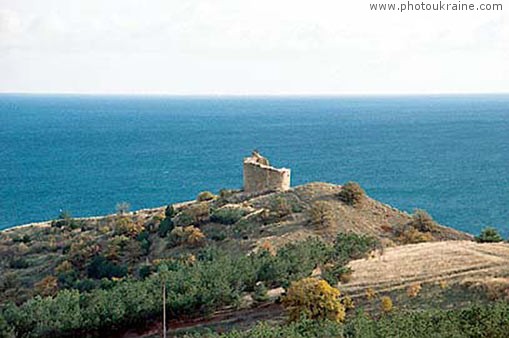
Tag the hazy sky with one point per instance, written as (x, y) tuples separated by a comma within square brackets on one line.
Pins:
[(248, 47)]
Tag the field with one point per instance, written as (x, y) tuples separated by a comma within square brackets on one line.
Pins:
[(450, 262)]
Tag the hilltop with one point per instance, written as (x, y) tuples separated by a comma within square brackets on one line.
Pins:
[(233, 221), (106, 254)]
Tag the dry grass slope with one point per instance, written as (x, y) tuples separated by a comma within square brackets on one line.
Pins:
[(450, 261)]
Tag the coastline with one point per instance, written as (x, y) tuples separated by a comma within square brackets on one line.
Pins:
[(47, 223)]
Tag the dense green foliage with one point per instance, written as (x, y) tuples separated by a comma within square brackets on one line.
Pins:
[(347, 247), (215, 279), (227, 216), (100, 267), (476, 321), (489, 235)]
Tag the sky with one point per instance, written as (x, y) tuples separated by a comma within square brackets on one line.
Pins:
[(244, 47)]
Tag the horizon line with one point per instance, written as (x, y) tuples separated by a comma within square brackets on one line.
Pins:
[(246, 95)]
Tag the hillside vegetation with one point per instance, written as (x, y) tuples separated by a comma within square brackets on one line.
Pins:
[(234, 251)]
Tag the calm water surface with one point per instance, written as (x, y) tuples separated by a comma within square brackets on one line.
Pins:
[(446, 154)]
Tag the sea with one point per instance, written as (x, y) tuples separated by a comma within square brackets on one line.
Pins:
[(446, 154)]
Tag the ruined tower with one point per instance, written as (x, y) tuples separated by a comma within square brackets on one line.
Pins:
[(259, 176)]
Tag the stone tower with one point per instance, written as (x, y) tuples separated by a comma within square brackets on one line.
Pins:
[(259, 176)]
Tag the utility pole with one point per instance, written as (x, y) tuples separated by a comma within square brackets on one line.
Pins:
[(164, 309)]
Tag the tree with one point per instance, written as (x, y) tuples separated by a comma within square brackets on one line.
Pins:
[(122, 208), (489, 235), (314, 299), (413, 290), (5, 330), (126, 226), (260, 292), (189, 235), (386, 304), (100, 267), (48, 286), (351, 193), (169, 212), (423, 221), (321, 214)]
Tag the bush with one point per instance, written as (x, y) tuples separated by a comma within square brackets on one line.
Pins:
[(165, 227), (24, 239), (194, 215), (19, 263), (422, 221), (409, 235), (333, 273), (5, 330), (205, 196), (227, 216), (260, 292), (48, 286), (314, 299), (169, 211), (413, 290), (321, 214), (100, 267), (350, 246), (65, 266), (189, 235), (280, 206), (386, 304), (215, 233), (489, 235), (351, 193), (225, 194), (145, 271), (126, 226), (370, 294), (65, 220)]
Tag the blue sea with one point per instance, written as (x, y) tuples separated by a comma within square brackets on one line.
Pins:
[(446, 154)]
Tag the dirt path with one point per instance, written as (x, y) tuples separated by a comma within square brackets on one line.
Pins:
[(220, 321)]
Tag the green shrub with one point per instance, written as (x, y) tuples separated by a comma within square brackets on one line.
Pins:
[(5, 330), (335, 273), (350, 246), (215, 233), (321, 214), (224, 194), (280, 206), (227, 216), (205, 196), (169, 212), (351, 193), (195, 214), (165, 226), (260, 292), (489, 235), (24, 239), (100, 267), (145, 271), (19, 263), (422, 221), (65, 220)]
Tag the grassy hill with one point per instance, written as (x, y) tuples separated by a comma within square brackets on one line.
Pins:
[(100, 255)]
